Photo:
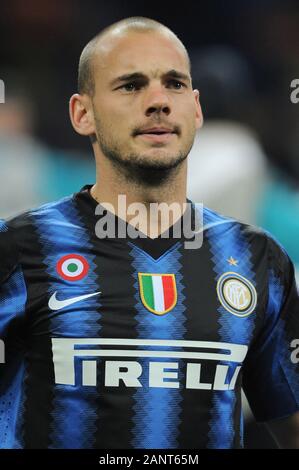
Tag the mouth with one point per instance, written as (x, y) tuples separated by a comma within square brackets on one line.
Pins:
[(157, 134)]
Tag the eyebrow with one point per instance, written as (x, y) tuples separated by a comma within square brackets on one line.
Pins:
[(141, 76)]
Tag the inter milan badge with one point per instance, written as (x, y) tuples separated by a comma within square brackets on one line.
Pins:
[(72, 267), (237, 294), (158, 292)]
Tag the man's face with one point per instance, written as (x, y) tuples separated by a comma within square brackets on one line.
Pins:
[(145, 110)]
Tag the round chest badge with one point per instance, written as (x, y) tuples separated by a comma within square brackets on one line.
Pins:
[(72, 267), (237, 294)]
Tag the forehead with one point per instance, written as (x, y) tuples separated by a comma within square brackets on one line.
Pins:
[(152, 53)]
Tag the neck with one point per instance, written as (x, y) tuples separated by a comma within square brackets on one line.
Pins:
[(113, 187)]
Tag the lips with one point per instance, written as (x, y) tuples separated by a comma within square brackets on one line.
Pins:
[(157, 131)]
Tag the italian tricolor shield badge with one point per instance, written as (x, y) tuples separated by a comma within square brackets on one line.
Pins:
[(158, 292)]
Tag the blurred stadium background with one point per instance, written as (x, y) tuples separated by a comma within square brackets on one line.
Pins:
[(244, 162)]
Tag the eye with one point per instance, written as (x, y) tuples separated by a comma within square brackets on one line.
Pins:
[(130, 86), (176, 84)]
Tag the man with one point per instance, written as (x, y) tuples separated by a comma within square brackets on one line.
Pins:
[(142, 342)]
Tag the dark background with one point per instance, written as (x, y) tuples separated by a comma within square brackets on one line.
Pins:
[(41, 41), (244, 54)]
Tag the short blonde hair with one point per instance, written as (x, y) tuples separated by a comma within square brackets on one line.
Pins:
[(86, 82)]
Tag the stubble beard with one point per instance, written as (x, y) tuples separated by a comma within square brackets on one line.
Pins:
[(137, 169)]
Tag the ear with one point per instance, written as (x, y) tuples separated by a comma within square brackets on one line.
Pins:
[(198, 115), (81, 114)]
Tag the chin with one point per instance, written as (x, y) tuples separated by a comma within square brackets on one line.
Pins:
[(162, 162), (161, 154)]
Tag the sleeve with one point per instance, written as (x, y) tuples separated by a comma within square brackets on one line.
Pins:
[(12, 285), (271, 368)]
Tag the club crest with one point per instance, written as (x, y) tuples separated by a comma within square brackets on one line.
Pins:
[(237, 294), (158, 292)]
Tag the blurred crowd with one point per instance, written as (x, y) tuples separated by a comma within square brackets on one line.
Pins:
[(244, 55)]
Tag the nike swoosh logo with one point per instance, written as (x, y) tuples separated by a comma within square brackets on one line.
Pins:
[(55, 304)]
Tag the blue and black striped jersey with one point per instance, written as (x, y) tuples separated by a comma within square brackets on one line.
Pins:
[(141, 343)]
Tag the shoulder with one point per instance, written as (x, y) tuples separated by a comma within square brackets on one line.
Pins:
[(226, 224), (18, 231), (258, 239), (47, 212)]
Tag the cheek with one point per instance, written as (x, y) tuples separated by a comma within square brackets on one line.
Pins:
[(116, 129), (188, 110), (116, 118), (108, 121), (190, 120)]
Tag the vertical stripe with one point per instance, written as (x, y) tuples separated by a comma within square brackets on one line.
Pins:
[(148, 291), (201, 324), (228, 240), (157, 411), (158, 293), (13, 295), (115, 404), (11, 416), (168, 289), (73, 410)]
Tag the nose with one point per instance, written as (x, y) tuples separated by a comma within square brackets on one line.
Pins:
[(157, 101)]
